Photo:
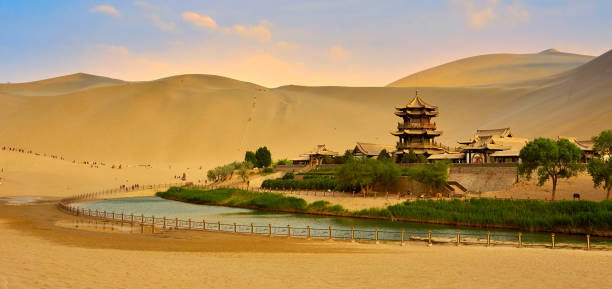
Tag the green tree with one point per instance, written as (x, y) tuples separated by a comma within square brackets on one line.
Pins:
[(600, 168), (386, 173), (357, 173), (263, 157), (434, 176), (348, 155), (383, 155), (413, 158), (249, 156), (551, 160)]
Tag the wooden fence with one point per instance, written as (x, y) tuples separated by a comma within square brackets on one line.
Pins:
[(162, 223)]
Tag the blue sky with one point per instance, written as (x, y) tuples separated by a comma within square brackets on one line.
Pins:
[(357, 43)]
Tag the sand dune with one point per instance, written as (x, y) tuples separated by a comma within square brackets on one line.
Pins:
[(494, 69), (58, 85), (205, 120)]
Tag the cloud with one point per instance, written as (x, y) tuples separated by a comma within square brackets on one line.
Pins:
[(259, 32), (338, 53), (482, 14), (152, 12), (287, 45), (199, 20), (106, 9), (117, 50)]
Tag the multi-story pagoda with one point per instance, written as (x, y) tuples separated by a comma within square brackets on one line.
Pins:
[(416, 131)]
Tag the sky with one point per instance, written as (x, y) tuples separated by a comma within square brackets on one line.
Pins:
[(274, 43)]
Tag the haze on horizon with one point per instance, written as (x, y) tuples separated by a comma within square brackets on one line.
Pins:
[(274, 43)]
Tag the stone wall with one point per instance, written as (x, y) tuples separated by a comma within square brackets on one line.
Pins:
[(484, 177)]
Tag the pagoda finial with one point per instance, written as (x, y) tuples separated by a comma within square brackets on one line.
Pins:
[(417, 92)]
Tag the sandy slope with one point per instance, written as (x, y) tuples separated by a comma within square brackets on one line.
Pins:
[(58, 85), (36, 254), (494, 69), (204, 120)]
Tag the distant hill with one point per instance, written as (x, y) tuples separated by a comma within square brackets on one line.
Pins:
[(493, 69), (207, 120), (58, 85)]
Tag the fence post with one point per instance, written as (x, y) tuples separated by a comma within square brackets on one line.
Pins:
[(520, 240), (104, 215), (164, 223), (234, 227), (90, 212), (352, 234), (458, 238), (113, 216), (132, 219), (203, 225), (429, 237), (176, 223), (553, 239), (189, 224), (218, 225), (403, 232), (142, 219), (153, 224), (588, 241), (488, 238), (251, 228), (270, 230), (308, 232), (288, 231), (376, 235), (330, 235), (122, 218)]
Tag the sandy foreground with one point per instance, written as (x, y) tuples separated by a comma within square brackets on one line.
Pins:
[(36, 252)]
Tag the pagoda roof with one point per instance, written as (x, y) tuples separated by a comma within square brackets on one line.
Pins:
[(417, 132), (403, 112), (371, 149), (320, 150), (584, 145), (417, 102)]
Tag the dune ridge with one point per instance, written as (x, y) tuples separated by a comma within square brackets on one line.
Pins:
[(206, 120), (494, 69)]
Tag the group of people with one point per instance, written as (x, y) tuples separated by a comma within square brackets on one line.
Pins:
[(91, 164), (129, 188)]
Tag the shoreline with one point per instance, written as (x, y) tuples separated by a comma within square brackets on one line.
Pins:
[(393, 219)]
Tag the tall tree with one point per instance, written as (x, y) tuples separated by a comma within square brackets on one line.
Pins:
[(600, 167), (264, 157), (357, 173), (249, 156), (383, 155), (552, 160)]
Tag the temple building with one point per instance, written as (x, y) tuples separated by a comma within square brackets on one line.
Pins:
[(416, 132), (371, 150), (586, 146), (492, 146), (316, 156)]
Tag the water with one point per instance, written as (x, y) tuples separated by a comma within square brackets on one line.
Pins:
[(341, 226)]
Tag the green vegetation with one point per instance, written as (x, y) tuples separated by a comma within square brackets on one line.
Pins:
[(600, 168), (551, 160), (249, 156), (263, 157), (383, 155), (434, 175), (348, 155), (532, 215), (412, 158), (315, 183), (365, 173), (282, 162), (529, 215), (222, 173), (249, 199)]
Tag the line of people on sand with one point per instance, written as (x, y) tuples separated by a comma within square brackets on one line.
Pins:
[(91, 164), (128, 188)]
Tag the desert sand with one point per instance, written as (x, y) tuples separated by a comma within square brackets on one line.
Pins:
[(190, 123), (204, 120), (495, 69), (219, 260)]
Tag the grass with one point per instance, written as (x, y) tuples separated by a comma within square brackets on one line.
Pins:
[(528, 215), (249, 199)]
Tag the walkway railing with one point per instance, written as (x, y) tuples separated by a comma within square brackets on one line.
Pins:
[(163, 223)]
